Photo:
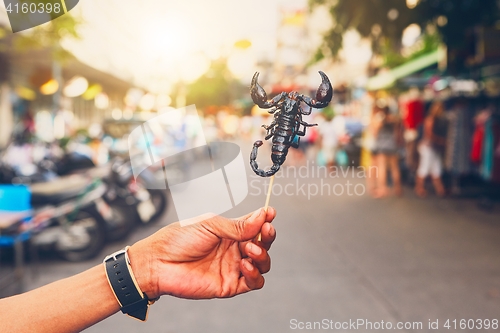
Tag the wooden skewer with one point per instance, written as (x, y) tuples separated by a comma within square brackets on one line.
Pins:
[(269, 191)]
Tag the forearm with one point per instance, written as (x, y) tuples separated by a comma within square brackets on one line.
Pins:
[(160, 264), (68, 305)]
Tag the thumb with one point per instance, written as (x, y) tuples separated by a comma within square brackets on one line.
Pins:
[(240, 229)]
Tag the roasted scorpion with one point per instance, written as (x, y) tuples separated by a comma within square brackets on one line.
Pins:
[(286, 125)]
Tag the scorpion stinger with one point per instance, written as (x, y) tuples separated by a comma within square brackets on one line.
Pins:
[(285, 129)]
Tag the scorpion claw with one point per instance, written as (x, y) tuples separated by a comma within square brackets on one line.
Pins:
[(325, 90), (254, 79), (258, 93)]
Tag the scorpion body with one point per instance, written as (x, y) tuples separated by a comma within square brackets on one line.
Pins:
[(287, 123)]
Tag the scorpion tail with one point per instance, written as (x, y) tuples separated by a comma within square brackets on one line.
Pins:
[(255, 167)]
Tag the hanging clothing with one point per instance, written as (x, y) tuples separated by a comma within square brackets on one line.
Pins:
[(495, 177), (476, 153), (477, 144), (414, 114), (458, 145), (487, 151)]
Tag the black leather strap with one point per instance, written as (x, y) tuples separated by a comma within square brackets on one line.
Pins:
[(133, 301)]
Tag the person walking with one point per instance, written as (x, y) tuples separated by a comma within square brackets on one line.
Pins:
[(384, 126), (431, 150)]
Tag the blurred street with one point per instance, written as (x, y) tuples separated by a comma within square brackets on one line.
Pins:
[(343, 258)]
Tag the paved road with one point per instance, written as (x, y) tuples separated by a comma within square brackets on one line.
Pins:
[(344, 257)]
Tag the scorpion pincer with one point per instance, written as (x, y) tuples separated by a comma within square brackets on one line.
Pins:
[(287, 123)]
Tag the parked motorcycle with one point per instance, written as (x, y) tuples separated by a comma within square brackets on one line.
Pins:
[(65, 215), (149, 203), (68, 217), (131, 201)]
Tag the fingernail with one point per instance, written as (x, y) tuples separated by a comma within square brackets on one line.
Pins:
[(271, 231), (256, 214), (248, 265), (254, 249)]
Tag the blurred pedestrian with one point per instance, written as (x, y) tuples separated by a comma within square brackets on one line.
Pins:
[(384, 127), (329, 140), (431, 150), (413, 118), (308, 140)]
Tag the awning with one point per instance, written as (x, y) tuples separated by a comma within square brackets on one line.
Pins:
[(387, 79)]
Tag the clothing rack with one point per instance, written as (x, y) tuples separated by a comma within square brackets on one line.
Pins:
[(473, 173)]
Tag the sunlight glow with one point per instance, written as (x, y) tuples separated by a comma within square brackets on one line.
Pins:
[(193, 67), (241, 63), (76, 86), (168, 38), (411, 34), (49, 87), (412, 3)]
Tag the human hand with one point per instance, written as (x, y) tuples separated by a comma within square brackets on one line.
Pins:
[(214, 258)]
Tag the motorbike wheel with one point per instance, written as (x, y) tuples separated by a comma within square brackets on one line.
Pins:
[(123, 222), (158, 199), (84, 237)]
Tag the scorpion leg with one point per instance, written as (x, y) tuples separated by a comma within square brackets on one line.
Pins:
[(270, 129), (306, 113), (270, 134), (253, 156), (300, 121), (301, 133), (323, 95), (306, 124), (273, 123), (259, 95), (297, 127)]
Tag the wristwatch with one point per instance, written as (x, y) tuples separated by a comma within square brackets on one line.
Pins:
[(133, 302)]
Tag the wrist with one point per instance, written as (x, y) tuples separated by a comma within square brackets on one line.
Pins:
[(144, 268)]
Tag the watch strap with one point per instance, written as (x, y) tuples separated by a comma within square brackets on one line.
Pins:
[(132, 300)]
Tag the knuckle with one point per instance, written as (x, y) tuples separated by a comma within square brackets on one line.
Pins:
[(239, 226)]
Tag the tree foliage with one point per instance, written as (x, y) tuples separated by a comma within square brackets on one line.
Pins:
[(383, 21), (49, 36), (217, 87), (45, 36)]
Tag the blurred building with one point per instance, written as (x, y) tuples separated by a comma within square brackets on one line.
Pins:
[(60, 96)]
